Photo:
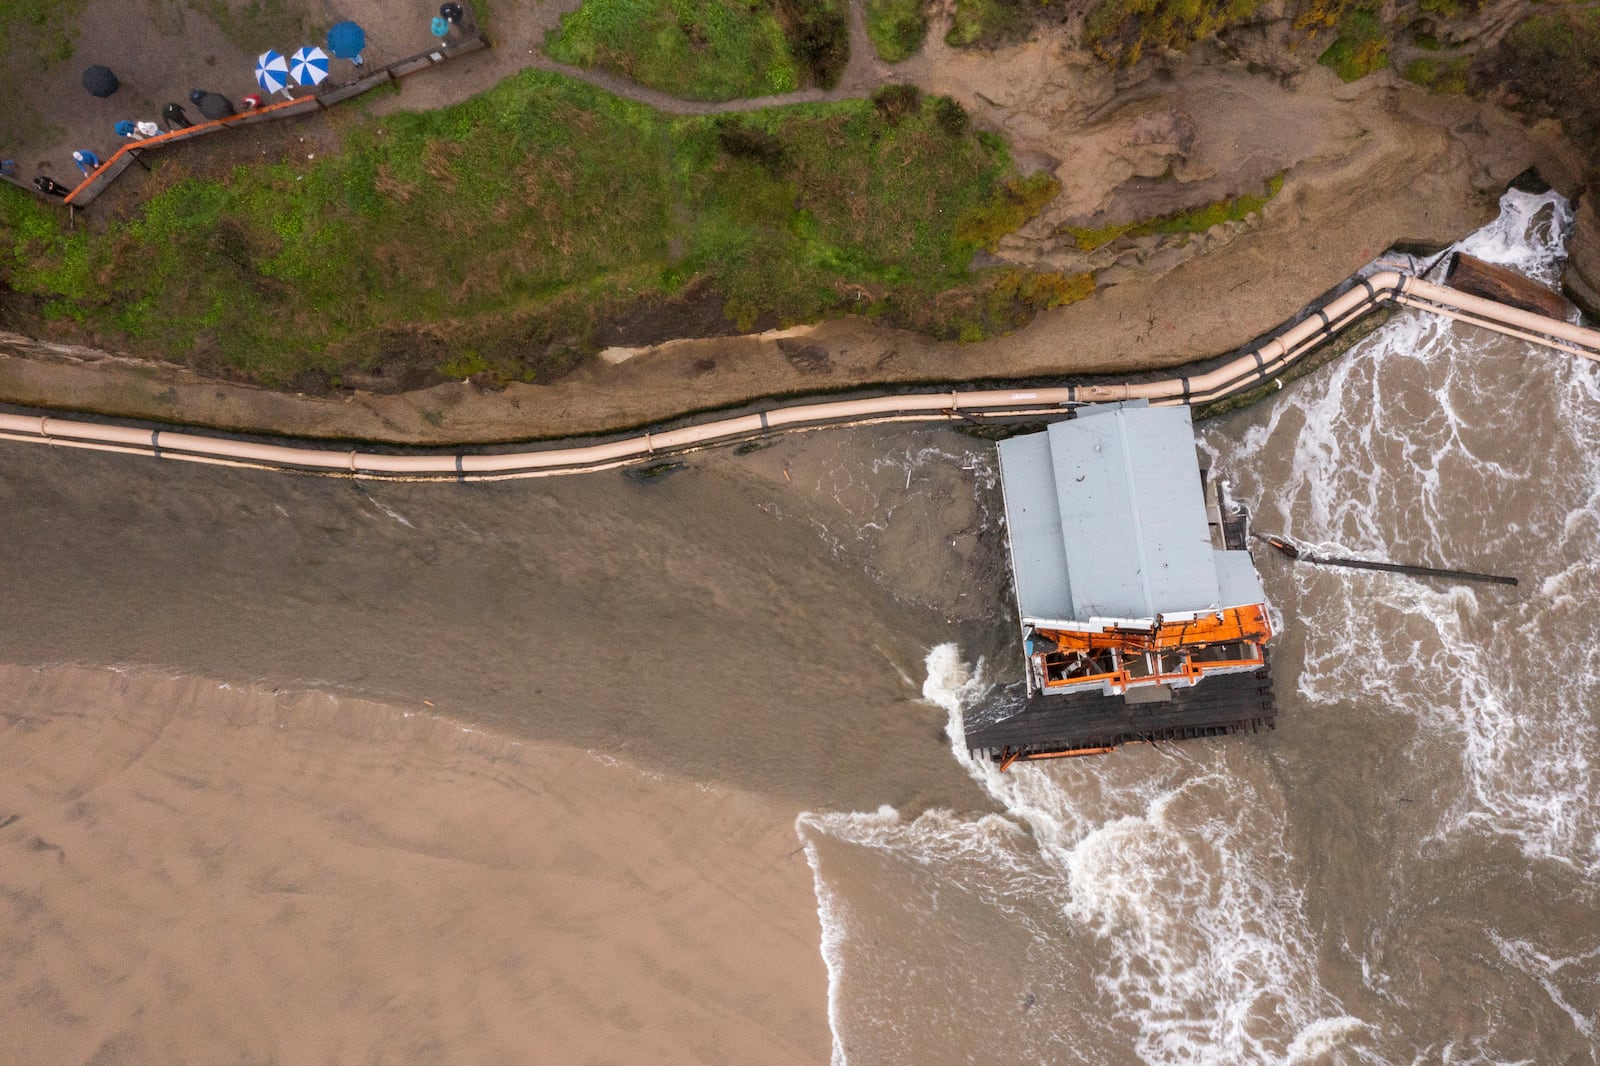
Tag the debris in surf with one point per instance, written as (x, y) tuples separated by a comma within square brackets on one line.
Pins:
[(1295, 552)]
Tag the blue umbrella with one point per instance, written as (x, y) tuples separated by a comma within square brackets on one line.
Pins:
[(272, 72), (347, 41), (309, 66)]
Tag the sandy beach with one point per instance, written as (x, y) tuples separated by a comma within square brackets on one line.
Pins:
[(197, 872)]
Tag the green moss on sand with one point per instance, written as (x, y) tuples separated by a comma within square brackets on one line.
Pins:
[(1195, 220)]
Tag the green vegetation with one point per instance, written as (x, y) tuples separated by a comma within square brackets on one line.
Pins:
[(896, 27), (819, 37), (1440, 75), (1196, 220), (1447, 8), (1019, 200), (1552, 63), (43, 31), (1012, 298), (1361, 48), (695, 49), (498, 237), (1124, 29), (34, 37), (709, 49), (988, 23)]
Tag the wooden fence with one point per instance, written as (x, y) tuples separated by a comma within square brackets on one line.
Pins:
[(320, 100)]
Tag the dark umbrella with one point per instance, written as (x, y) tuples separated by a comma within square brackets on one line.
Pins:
[(100, 81), (211, 105), (347, 41)]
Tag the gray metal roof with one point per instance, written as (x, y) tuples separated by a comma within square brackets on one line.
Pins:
[(1107, 519)]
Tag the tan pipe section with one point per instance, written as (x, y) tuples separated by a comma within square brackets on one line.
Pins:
[(1249, 370)]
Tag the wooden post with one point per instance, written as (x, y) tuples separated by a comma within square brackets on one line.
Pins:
[(1472, 275)]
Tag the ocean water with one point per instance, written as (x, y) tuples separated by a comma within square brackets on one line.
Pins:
[(1406, 871)]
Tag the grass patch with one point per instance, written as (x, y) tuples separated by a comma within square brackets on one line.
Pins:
[(695, 49), (1551, 62), (1123, 30), (896, 27), (495, 238), (43, 31), (1019, 199), (1361, 47), (990, 23), (708, 49), (1195, 220), (1440, 75), (819, 38), (34, 37)]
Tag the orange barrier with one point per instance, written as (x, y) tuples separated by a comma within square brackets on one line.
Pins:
[(96, 182), (114, 166)]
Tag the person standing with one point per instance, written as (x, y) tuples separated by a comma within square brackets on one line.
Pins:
[(87, 161), (175, 117), (212, 105)]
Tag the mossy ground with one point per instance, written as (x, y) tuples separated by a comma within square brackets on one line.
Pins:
[(1125, 29), (989, 23), (1440, 75), (708, 49), (498, 236), (896, 27), (1361, 47), (1550, 64), (1195, 220), (694, 49)]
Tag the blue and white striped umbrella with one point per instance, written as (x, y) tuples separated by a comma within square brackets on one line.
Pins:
[(272, 72), (309, 66)]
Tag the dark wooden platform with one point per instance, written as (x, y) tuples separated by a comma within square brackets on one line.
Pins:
[(1061, 724)]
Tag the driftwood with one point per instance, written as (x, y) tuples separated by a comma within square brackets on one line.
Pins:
[(1505, 286)]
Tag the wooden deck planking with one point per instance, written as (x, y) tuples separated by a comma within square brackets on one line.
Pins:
[(1231, 703)]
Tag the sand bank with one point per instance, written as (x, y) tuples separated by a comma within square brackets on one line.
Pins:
[(192, 872)]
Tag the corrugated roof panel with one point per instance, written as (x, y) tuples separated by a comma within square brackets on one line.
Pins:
[(1237, 580), (1132, 513), (1033, 518)]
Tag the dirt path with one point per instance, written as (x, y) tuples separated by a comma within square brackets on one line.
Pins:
[(517, 31)]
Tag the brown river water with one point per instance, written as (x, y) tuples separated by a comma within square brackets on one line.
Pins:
[(1406, 871)]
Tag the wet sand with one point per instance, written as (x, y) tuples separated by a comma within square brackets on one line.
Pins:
[(193, 872)]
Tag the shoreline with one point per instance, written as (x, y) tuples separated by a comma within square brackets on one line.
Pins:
[(205, 840)]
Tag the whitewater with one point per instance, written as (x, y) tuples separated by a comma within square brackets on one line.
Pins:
[(1405, 871)]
